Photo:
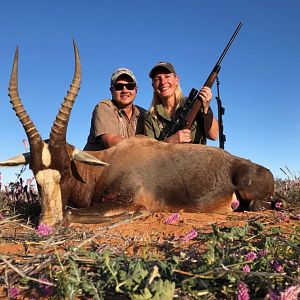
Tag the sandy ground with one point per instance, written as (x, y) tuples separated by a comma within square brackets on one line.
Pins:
[(146, 235)]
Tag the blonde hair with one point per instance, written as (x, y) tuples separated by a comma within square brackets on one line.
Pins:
[(179, 100)]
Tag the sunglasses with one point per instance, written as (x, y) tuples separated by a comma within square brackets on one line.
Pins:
[(129, 86)]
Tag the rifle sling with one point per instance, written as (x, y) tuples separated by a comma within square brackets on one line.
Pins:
[(207, 121)]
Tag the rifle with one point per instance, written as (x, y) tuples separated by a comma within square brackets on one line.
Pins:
[(186, 115)]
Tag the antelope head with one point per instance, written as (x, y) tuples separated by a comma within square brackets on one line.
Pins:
[(50, 160)]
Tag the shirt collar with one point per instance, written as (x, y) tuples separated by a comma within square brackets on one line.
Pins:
[(121, 112), (162, 112)]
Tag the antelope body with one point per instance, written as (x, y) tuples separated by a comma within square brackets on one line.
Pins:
[(137, 174)]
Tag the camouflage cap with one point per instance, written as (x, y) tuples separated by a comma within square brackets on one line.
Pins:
[(162, 65), (121, 71)]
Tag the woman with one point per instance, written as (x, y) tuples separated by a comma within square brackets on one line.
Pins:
[(167, 98)]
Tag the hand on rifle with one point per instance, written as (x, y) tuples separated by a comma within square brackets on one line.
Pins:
[(181, 136), (205, 95)]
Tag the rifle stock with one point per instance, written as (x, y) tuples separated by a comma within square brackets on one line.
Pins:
[(188, 113), (191, 116)]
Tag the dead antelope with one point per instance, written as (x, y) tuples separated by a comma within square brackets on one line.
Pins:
[(138, 174)]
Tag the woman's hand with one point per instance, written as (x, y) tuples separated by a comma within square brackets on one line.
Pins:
[(205, 95), (181, 136)]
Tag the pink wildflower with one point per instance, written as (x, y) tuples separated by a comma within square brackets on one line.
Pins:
[(13, 292), (1, 217), (291, 293), (44, 229), (192, 234), (263, 252), (172, 218), (45, 289), (251, 256), (235, 203), (272, 295), (283, 217), (278, 204), (279, 268), (242, 291), (246, 268), (297, 217), (276, 266)]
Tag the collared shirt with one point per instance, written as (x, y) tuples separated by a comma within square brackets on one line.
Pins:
[(107, 118), (158, 127)]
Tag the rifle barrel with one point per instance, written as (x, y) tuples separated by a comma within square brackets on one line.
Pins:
[(188, 113), (229, 43)]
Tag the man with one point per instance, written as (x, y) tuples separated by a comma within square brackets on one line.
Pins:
[(117, 119)]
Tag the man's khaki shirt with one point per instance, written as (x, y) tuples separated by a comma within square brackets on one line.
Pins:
[(107, 118)]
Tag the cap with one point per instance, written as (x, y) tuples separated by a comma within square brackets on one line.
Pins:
[(162, 65), (121, 71)]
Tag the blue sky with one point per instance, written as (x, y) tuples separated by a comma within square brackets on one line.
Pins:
[(259, 79)]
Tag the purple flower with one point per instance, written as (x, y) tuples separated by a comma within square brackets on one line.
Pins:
[(278, 204), (1, 217), (242, 291), (45, 289), (192, 234), (263, 252), (13, 292), (276, 266), (235, 204), (44, 229), (283, 217), (291, 293), (292, 262), (172, 218), (297, 217), (246, 268), (279, 268), (251, 256), (272, 295)]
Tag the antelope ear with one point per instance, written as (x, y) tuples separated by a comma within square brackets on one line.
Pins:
[(21, 159), (87, 158)]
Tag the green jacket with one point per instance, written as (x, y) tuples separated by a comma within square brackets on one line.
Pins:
[(158, 128)]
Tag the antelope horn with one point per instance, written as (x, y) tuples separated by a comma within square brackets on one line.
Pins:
[(21, 159), (87, 158), (31, 132), (59, 127)]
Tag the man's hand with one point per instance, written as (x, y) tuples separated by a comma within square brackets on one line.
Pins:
[(110, 140)]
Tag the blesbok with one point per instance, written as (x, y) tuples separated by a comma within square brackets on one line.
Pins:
[(138, 174)]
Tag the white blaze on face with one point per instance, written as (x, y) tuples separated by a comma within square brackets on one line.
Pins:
[(48, 181), (46, 156)]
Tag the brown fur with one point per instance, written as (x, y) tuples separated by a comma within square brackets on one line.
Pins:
[(155, 176)]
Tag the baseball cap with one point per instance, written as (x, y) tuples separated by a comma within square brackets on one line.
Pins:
[(162, 65), (122, 71)]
